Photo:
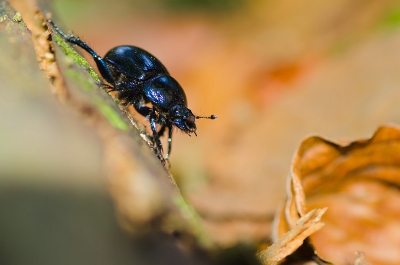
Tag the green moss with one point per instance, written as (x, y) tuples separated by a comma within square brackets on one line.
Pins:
[(113, 116), (78, 59), (17, 17), (12, 21), (86, 85)]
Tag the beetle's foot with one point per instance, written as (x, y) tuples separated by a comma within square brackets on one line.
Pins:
[(158, 150), (166, 159)]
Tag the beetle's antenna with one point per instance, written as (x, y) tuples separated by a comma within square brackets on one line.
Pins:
[(212, 117)]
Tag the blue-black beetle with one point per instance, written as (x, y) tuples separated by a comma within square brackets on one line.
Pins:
[(140, 78)]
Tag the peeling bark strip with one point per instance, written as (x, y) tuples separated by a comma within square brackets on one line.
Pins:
[(34, 20)]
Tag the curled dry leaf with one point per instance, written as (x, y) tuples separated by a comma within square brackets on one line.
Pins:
[(293, 239), (359, 183)]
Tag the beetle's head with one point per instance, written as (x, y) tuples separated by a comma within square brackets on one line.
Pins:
[(183, 118)]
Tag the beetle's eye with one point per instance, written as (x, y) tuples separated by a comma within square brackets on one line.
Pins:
[(190, 122)]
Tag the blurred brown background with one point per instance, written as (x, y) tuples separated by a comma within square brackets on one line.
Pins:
[(273, 71)]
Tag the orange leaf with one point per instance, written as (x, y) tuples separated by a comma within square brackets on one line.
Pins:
[(359, 183)]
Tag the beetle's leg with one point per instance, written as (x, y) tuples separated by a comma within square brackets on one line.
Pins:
[(141, 108), (161, 132), (156, 139), (101, 65), (148, 112), (169, 142), (153, 126)]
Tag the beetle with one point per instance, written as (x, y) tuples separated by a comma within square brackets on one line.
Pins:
[(139, 78)]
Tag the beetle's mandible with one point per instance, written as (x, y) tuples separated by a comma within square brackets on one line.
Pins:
[(139, 78)]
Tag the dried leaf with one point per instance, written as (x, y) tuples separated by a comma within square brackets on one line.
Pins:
[(293, 239), (359, 183)]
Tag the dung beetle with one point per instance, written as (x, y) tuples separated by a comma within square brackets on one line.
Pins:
[(140, 78)]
